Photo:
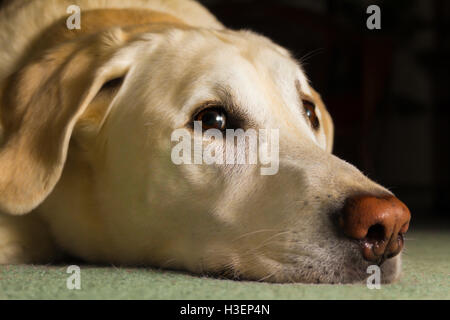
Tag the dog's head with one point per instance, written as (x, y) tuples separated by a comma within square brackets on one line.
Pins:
[(91, 128)]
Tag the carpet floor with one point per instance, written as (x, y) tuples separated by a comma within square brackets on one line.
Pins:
[(426, 275)]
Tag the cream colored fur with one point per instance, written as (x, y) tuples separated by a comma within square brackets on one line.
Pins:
[(89, 169)]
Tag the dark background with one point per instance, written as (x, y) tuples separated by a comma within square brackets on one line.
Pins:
[(387, 90)]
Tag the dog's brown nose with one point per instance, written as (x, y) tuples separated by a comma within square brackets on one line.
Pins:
[(378, 224)]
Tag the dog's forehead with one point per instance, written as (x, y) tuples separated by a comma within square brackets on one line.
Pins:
[(244, 62), (204, 65), (225, 56), (260, 72), (265, 56)]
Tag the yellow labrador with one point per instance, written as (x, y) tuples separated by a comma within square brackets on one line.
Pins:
[(86, 140)]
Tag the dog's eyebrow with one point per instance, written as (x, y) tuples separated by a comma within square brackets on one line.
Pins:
[(302, 95), (237, 117), (227, 98)]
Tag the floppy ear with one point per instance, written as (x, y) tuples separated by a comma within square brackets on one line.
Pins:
[(39, 106), (327, 121)]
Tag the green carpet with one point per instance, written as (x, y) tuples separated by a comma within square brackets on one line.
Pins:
[(426, 276)]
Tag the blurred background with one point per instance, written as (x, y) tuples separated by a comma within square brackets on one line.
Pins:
[(387, 90)]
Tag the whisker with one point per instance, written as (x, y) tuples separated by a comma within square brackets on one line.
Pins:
[(167, 262), (262, 244), (310, 54), (268, 276), (253, 232)]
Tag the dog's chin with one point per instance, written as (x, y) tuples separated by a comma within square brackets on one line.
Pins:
[(356, 270), (391, 269), (359, 272), (353, 270)]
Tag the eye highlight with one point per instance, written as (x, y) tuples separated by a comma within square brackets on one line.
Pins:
[(212, 118), (310, 111)]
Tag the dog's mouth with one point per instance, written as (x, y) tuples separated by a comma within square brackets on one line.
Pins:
[(332, 265)]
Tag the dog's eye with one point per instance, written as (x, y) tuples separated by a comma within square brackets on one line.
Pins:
[(310, 111), (212, 118)]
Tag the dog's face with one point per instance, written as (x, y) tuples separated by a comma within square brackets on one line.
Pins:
[(206, 218)]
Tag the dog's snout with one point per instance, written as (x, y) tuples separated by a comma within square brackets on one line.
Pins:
[(379, 224)]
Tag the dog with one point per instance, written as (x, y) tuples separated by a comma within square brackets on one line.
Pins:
[(87, 120)]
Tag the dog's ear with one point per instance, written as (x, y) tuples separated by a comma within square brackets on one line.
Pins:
[(39, 106), (327, 121)]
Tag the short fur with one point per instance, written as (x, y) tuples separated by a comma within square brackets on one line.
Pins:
[(85, 161)]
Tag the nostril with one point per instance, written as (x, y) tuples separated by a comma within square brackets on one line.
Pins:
[(378, 223), (376, 233)]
